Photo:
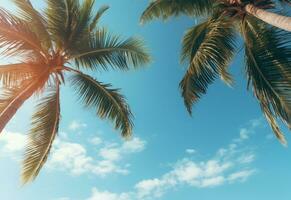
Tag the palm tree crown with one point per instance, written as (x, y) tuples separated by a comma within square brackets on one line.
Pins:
[(209, 47), (52, 46)]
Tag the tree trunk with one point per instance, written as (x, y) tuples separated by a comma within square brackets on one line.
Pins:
[(279, 21)]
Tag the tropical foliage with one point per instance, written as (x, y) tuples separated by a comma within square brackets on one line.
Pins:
[(52, 48), (209, 47)]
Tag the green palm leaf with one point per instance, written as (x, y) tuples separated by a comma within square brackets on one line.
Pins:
[(80, 24), (268, 62), (206, 60), (103, 49), (45, 124), (107, 101), (69, 21), (57, 16), (167, 8), (97, 17)]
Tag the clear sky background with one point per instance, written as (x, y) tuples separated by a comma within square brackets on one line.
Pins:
[(225, 151)]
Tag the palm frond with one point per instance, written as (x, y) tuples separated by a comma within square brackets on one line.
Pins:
[(268, 60), (13, 75), (225, 76), (57, 19), (36, 20), (108, 102), (69, 21), (103, 49), (209, 47), (97, 17), (167, 8), (13, 98), (80, 29), (45, 124), (63, 17), (16, 36)]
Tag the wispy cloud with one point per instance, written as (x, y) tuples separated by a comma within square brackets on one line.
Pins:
[(76, 125), (218, 170), (11, 143), (190, 151), (106, 195), (241, 175), (96, 140), (73, 157), (247, 158), (246, 132), (228, 165)]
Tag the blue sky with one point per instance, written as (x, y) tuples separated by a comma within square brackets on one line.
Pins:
[(225, 151)]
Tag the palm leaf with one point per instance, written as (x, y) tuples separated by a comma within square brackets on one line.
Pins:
[(107, 101), (13, 74), (37, 21), (56, 15), (69, 21), (63, 17), (80, 27), (13, 98), (103, 49), (16, 36), (45, 124), (97, 17), (167, 8), (209, 47), (268, 60)]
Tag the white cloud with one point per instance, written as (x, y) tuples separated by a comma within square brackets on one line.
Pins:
[(150, 188), (105, 195), (11, 142), (63, 135), (70, 156), (244, 134), (190, 151), (74, 158), (112, 154), (76, 125), (96, 141), (212, 182), (241, 175), (215, 167), (134, 145), (185, 171), (205, 174), (220, 169), (228, 165), (254, 123), (248, 158)]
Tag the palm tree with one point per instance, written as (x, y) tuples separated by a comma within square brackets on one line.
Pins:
[(209, 47), (256, 8), (52, 48), (271, 18)]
